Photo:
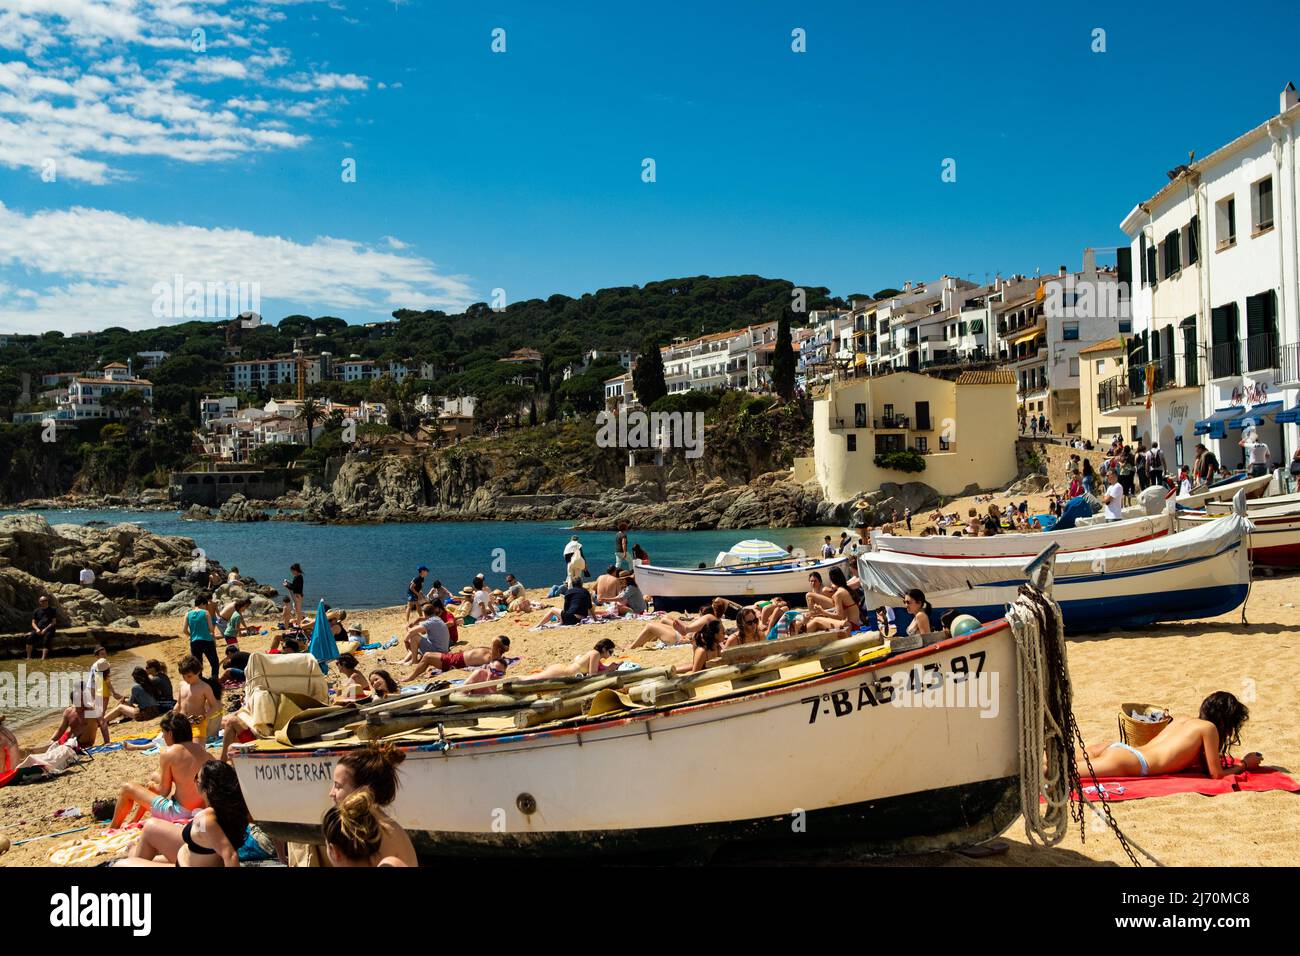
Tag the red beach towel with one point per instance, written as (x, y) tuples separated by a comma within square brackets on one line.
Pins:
[(1136, 788)]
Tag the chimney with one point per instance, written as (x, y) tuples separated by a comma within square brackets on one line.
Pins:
[(1089, 263), (1061, 271), (907, 286), (1288, 98)]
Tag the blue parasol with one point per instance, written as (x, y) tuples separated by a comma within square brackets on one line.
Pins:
[(323, 646)]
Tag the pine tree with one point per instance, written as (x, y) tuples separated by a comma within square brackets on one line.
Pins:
[(648, 374)]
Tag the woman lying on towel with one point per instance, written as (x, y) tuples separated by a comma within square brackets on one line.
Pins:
[(584, 665), (708, 644), (1200, 743), (672, 631)]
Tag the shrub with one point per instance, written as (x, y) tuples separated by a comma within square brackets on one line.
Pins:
[(906, 460)]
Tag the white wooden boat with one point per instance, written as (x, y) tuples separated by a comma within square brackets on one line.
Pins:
[(1256, 504), (1224, 492), (821, 748), (1112, 534), (1274, 532), (1197, 573), (686, 589)]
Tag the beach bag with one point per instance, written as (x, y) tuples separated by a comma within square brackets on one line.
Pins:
[(1140, 723)]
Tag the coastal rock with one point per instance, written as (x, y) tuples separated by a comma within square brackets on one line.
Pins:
[(197, 513), (913, 494), (261, 595), (239, 508), (74, 604), (1029, 485), (177, 604)]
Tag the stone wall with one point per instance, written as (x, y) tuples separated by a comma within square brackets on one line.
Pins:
[(1055, 456)]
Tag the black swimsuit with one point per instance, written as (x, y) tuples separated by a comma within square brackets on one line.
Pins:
[(194, 847)]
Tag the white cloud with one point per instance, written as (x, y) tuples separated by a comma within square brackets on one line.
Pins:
[(109, 79), (92, 268)]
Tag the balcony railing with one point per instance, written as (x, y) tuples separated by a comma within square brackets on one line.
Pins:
[(1289, 364), (896, 421), (1225, 360), (1262, 352)]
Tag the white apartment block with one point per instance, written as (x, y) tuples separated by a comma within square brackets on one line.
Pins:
[(1041, 332), (85, 394), (252, 374), (1216, 261)]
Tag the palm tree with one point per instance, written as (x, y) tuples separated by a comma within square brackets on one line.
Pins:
[(310, 412)]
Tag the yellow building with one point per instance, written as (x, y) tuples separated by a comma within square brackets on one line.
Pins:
[(964, 429), (1100, 366)]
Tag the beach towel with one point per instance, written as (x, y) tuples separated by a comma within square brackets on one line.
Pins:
[(103, 843), (1163, 785)]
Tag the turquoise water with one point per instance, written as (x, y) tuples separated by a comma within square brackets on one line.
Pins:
[(366, 566)]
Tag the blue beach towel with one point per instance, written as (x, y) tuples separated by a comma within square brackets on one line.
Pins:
[(323, 647)]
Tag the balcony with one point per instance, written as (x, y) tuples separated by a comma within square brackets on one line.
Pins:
[(1289, 364), (1225, 360), (895, 421), (1262, 352)]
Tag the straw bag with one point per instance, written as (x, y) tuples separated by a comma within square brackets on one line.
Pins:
[(1136, 732)]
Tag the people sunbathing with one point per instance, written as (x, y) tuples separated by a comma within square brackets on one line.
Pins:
[(577, 606), (141, 704), (672, 631), (172, 792), (211, 838), (583, 665), (76, 724), (382, 684), (355, 686), (1187, 743), (843, 612), (456, 660), (747, 630)]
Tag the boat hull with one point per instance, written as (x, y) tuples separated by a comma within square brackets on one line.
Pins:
[(1274, 539), (1113, 534), (1224, 492), (853, 756), (1093, 597), (678, 589)]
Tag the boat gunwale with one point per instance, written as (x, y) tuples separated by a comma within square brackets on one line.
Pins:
[(575, 726), (809, 565)]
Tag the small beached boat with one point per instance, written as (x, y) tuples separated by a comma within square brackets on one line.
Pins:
[(1197, 573), (1256, 504), (686, 589), (1225, 491), (1112, 534), (1274, 532), (817, 738)]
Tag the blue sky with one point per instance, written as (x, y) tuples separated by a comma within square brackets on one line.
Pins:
[(522, 170)]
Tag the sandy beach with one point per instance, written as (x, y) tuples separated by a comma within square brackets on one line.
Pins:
[(1170, 665)]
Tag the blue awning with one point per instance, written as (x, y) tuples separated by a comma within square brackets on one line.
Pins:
[(1289, 415), (1256, 414), (1216, 426)]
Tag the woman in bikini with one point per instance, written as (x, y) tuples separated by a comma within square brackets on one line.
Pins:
[(843, 613), (914, 603), (382, 684), (707, 643), (672, 631), (211, 838), (747, 630), (819, 597), (587, 663), (374, 769), (354, 833), (1186, 743)]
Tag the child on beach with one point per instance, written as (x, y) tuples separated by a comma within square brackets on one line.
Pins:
[(172, 793), (196, 701), (141, 704), (415, 592)]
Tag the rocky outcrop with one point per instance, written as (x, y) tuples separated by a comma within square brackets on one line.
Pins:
[(134, 569), (197, 513), (239, 508)]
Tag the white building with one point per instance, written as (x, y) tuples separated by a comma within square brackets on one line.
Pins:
[(214, 407), (1216, 317), (86, 394), (151, 360), (252, 374)]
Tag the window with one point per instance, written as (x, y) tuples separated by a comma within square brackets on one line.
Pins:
[(889, 411), (1169, 249), (853, 442), (1126, 326), (923, 416), (1070, 331), (1142, 257), (1261, 204), (922, 444), (1101, 366), (860, 415), (1193, 240), (1225, 222), (1074, 367)]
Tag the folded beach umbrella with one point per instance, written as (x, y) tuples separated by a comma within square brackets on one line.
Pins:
[(323, 646), (756, 549)]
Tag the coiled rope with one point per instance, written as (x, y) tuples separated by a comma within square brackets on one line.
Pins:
[(1050, 794)]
